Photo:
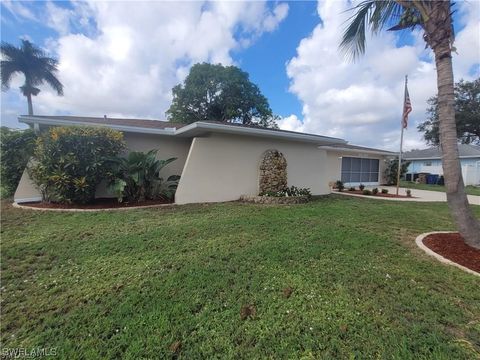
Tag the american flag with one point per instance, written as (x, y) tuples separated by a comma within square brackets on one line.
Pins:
[(407, 108)]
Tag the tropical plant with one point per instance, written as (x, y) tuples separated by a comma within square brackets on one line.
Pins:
[(435, 19), (391, 170), (467, 115), (339, 185), (16, 148), (220, 93), (136, 177), (32, 62), (69, 162), (289, 191)]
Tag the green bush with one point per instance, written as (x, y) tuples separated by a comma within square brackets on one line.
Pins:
[(391, 171), (69, 162), (361, 187), (352, 188), (366, 192), (375, 191), (384, 191), (136, 177), (16, 148), (409, 193), (289, 191), (339, 185)]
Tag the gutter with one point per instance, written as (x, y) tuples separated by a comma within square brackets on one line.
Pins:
[(374, 152), (232, 129), (440, 158), (134, 129)]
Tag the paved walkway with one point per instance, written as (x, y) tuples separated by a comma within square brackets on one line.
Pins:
[(417, 195)]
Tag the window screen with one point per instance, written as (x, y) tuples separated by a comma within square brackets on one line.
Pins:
[(355, 170)]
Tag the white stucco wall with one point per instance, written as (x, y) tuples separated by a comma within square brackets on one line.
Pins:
[(224, 167)]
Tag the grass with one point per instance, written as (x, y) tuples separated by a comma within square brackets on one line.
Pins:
[(172, 282), (470, 189)]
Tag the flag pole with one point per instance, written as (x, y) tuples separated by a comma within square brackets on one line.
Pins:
[(401, 136)]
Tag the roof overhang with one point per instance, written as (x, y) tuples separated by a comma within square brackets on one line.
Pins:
[(363, 151), (193, 130), (202, 128), (440, 158), (31, 120)]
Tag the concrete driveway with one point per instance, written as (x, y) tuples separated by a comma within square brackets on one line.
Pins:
[(417, 195)]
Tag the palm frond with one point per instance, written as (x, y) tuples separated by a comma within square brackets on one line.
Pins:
[(8, 69), (369, 15)]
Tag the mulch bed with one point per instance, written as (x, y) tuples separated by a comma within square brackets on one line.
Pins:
[(379, 194), (452, 247), (100, 203)]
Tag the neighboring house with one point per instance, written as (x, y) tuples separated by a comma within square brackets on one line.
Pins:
[(430, 161), (220, 162)]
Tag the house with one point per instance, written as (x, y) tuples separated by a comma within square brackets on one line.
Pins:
[(220, 162), (430, 161)]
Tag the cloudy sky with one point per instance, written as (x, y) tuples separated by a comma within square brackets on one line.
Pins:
[(122, 58)]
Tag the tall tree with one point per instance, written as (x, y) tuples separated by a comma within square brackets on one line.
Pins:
[(435, 18), (219, 93), (32, 62), (467, 115)]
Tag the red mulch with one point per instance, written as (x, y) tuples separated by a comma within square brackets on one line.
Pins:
[(452, 247), (100, 203), (379, 194)]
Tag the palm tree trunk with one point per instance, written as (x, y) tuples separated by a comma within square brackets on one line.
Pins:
[(30, 104), (468, 225)]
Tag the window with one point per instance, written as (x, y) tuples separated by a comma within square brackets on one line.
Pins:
[(359, 170)]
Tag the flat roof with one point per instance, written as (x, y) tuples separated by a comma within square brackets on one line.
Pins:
[(199, 128)]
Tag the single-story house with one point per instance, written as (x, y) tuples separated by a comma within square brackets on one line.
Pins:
[(220, 162), (430, 161)]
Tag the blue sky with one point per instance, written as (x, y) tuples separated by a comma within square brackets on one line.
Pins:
[(123, 58)]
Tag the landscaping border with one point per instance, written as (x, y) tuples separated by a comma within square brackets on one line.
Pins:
[(421, 245), (26, 207), (274, 200)]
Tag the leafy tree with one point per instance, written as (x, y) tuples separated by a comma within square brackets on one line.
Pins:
[(16, 148), (32, 62), (219, 93), (467, 115), (435, 18), (391, 171)]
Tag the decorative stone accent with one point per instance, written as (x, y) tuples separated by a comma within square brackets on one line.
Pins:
[(274, 199), (273, 172)]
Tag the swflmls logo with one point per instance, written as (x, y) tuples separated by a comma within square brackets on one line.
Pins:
[(27, 353)]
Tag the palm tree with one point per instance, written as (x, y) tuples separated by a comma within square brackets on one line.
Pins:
[(435, 18), (32, 62)]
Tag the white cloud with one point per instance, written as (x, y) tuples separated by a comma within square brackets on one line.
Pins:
[(362, 101), (123, 58), (291, 123)]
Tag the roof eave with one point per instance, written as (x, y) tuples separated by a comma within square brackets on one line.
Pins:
[(373, 152), (57, 122), (199, 127)]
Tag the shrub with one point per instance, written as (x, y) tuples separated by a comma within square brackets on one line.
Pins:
[(16, 148), (69, 162), (136, 177), (351, 189), (391, 170), (339, 185), (291, 191), (375, 191), (409, 193), (361, 187), (384, 191), (366, 192)]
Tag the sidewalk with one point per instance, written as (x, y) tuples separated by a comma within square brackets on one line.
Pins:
[(417, 195)]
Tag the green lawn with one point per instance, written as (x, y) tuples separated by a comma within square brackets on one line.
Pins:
[(129, 284), (470, 190)]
